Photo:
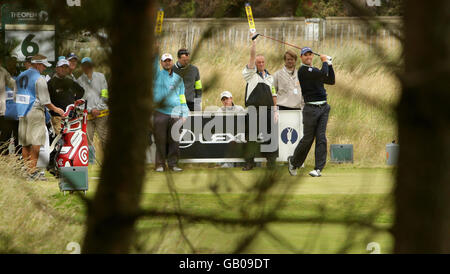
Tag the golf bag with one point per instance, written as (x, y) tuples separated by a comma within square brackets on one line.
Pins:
[(70, 147)]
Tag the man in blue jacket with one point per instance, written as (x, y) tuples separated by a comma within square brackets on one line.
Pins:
[(170, 101)]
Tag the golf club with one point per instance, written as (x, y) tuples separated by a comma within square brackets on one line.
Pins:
[(294, 46)]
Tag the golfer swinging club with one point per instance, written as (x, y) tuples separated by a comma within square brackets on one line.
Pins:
[(315, 112)]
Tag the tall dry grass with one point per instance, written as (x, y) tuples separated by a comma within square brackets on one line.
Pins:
[(32, 221)]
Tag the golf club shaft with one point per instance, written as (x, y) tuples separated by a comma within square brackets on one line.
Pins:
[(268, 37)]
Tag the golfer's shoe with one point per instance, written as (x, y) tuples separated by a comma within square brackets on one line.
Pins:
[(176, 169), (315, 173), (37, 176), (160, 169), (292, 169)]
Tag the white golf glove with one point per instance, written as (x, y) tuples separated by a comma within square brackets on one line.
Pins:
[(329, 60)]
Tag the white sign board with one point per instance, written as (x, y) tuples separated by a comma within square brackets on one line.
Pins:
[(290, 133), (31, 41)]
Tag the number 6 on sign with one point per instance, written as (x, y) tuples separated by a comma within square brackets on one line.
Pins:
[(28, 47)]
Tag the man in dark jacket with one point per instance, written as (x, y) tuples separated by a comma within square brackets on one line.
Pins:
[(315, 112), (63, 91), (191, 79)]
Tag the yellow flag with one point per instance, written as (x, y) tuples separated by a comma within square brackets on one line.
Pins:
[(159, 21), (251, 22)]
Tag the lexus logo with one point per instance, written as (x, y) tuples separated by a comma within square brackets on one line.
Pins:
[(187, 138)]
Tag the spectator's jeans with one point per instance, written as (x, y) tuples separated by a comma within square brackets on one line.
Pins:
[(315, 119), (166, 147)]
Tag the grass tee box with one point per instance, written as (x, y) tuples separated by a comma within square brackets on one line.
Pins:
[(73, 179), (341, 153)]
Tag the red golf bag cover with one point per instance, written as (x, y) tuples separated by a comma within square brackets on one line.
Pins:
[(74, 151)]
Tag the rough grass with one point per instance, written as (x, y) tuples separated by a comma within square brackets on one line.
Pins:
[(31, 219), (37, 218)]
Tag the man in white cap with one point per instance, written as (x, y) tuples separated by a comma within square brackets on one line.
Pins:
[(228, 106), (31, 99), (168, 95), (63, 91), (227, 100)]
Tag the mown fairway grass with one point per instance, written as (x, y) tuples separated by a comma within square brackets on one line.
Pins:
[(343, 193)]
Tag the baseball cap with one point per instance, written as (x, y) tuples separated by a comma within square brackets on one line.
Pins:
[(226, 94), (305, 50), (40, 59), (86, 60), (61, 58), (166, 56), (62, 62), (72, 56)]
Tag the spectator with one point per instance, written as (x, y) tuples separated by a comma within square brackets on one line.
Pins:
[(285, 81), (96, 93), (169, 94), (315, 113), (32, 97), (11, 66), (73, 63), (227, 100), (259, 93), (191, 79), (7, 126), (228, 107), (63, 91)]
